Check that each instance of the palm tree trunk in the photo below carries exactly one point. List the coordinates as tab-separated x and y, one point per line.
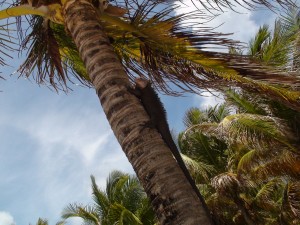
171	195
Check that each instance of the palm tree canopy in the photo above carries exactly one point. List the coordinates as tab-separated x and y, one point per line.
149	43
123	201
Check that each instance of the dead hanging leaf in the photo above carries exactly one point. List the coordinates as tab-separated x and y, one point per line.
53	50
115	11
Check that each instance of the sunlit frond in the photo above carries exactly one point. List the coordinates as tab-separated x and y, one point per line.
255	130
284	164
153	43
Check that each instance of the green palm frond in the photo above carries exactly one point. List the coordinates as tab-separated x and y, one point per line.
291	24
100	197
132	194
256	45
212	114
115	184
42	221
87	213
200	143
217	113
198	168
145	212
118	214
267	196
69	54
242	103
256	130
194	116
247	161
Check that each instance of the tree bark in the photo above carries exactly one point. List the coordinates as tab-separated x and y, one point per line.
171	195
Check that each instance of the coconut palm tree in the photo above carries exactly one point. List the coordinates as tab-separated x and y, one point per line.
123	202
261	162
279	47
147	43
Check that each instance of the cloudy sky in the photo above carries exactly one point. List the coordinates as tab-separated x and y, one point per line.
51	143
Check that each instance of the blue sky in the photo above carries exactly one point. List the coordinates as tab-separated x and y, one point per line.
51	143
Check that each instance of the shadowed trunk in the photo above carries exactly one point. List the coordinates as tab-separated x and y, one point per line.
171	195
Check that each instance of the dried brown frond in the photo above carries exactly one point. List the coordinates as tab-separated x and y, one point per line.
43	61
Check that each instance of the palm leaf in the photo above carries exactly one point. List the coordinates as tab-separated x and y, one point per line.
256	45
266	197
294	198
88	214
243	104
285	163
226	183
120	215
255	130
194	116
198	168
158	44
43	55
100	197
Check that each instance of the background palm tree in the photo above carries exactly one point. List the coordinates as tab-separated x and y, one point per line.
123	202
149	43
259	163
45	222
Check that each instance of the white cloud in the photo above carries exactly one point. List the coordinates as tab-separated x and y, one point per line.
54	143
208	99
6	218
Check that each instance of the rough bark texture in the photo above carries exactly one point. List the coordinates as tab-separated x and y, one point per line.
171	195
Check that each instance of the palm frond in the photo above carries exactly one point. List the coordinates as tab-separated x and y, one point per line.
226	183
243	104
7	42
267	196
101	199
284	164
194	116
256	45
198	168
152	42
294	198
256	130
217	113
220	5
43	61
200	143
87	213
247	161
120	215
145	212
